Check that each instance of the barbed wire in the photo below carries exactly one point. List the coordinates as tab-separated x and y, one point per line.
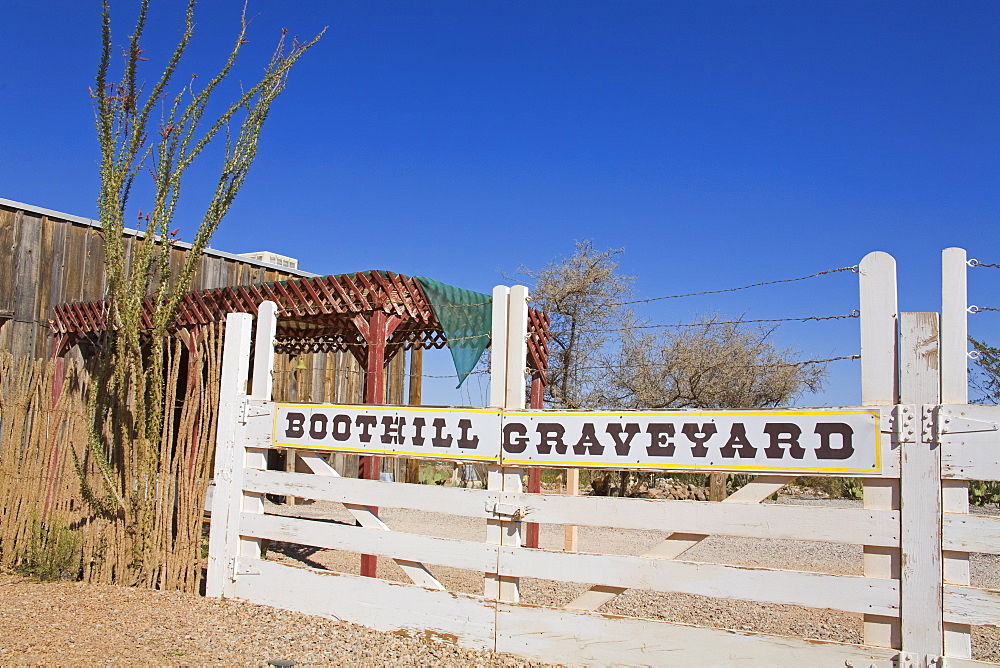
976	263
973	310
490	302
654	365
822	361
853	314
742	287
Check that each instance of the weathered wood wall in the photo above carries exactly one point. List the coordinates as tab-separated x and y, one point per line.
53	258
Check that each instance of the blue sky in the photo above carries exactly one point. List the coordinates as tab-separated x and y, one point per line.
720	143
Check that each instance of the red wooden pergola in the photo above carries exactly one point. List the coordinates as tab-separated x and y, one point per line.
372	314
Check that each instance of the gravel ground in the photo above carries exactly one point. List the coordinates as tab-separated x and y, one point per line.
62	623
73	623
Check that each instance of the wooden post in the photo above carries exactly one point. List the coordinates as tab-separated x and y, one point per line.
415	399
716	486
921	584
880	387
376	332
534	473
571	537
955	390
227	501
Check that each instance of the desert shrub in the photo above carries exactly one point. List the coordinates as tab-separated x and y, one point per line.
51	551
983	492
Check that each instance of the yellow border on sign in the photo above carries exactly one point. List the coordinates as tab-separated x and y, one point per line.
422	455
624	465
875	413
863	411
417	409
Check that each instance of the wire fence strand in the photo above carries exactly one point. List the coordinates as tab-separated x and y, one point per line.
742	287
610	367
713	323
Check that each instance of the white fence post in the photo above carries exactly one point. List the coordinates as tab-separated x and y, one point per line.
263	353
498	347
879	387
921	584
517	367
262	382
223	543
510	331
498	398
955	390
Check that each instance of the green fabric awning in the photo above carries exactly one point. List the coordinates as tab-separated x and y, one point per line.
466	319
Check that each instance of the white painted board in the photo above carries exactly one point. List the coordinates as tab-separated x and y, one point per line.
378	604
776	521
843	441
335	536
357	491
971	533
580	638
971	605
465	434
814	590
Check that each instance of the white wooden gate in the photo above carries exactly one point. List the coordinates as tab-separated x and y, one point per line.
914	526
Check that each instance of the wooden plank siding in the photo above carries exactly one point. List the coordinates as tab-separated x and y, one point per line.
55	259
27	260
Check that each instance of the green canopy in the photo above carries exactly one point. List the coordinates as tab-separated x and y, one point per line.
466	318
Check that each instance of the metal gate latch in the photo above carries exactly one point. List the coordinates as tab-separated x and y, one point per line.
505	510
239	568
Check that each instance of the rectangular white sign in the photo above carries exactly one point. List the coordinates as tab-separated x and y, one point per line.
792	441
845	441
435	433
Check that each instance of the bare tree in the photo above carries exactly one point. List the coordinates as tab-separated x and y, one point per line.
717	363
603	356
582	294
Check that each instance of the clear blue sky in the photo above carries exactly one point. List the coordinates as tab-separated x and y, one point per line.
719	142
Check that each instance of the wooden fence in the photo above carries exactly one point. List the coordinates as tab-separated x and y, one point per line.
914	594
47	471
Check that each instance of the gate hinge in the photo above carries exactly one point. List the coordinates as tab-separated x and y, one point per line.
928	418
902	423
505	510
951	421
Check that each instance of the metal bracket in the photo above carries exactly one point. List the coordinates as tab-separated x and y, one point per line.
901	660
256	408
953	422
928	423
242	419
902	419
242	569
506	510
